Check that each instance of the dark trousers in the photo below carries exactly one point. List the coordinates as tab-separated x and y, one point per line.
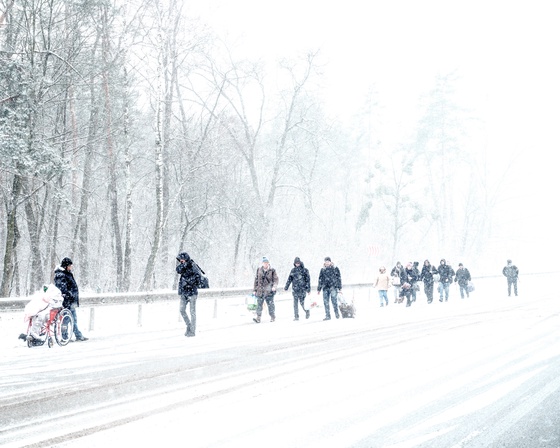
299	298
512	281
408	294
429	290
330	293
269	303
191	323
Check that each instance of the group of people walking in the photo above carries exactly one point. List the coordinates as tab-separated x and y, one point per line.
265	286
266	283
405	281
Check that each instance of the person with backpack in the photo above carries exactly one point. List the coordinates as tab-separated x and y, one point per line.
189	282
301	286
266	281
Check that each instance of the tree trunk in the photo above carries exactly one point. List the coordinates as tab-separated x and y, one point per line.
128	204
81	230
12	237
149	272
111	156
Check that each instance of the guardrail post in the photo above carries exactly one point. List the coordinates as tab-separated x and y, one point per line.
215	308
91	318
139	315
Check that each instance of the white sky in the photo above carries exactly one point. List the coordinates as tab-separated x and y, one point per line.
505	53
505	48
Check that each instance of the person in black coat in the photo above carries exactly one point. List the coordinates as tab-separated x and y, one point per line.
427	276
188	290
64	280
301	285
446	274
463	277
330	282
408	278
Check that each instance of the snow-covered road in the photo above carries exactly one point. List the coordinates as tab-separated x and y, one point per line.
467	373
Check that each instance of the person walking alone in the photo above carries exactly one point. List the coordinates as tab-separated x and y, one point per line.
463	277
266	281
301	286
382	283
65	281
511	272
330	282
188	290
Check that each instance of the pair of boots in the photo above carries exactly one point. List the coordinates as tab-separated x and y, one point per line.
190	332
306	315
257	319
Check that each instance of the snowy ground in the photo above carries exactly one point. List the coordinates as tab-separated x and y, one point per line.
467	373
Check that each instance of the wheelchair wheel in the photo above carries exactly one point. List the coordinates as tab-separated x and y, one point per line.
63	327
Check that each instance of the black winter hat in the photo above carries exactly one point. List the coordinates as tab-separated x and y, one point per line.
66	262
297	260
328	259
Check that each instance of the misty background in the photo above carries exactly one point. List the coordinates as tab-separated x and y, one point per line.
371	132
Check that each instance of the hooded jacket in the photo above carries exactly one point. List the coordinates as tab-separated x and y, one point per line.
299	279
64	280
190	275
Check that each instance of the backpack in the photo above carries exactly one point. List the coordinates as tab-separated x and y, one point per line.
203	283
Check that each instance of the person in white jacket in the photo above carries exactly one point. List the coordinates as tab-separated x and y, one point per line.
382	283
37	311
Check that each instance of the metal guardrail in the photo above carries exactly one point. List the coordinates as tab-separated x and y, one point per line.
18	303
